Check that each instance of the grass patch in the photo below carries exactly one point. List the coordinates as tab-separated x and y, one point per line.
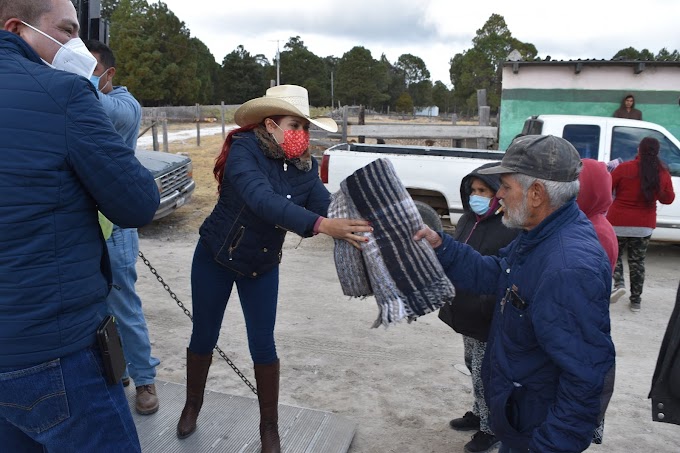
188	218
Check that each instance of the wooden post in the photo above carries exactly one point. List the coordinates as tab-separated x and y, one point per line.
456	142
344	124
484	112
198	125
154	130
484	117
164	125
224	132
362	120
481	98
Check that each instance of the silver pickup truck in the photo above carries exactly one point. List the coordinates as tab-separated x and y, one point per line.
174	177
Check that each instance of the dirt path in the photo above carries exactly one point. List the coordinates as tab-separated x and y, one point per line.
399	384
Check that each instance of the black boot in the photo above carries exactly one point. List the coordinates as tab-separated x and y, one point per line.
197	374
469	422
267	377
481	443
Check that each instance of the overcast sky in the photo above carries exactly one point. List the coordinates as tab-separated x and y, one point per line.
434	30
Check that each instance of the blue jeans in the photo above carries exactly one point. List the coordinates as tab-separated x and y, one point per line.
65	405
126	306
211	285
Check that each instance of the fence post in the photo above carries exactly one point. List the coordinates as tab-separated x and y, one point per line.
198	125
484	117
344	124
456	142
481	97
362	121
223	126
154	129
164	125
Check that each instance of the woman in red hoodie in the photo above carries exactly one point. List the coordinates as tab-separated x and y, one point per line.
594	199
637	185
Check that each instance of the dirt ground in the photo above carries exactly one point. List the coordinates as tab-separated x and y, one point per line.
399	384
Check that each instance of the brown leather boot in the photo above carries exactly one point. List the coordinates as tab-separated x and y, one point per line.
146	401
197	374
267	377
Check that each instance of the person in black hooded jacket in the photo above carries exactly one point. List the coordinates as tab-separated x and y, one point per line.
470	315
665	393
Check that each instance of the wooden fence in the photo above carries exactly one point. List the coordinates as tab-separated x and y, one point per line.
483	134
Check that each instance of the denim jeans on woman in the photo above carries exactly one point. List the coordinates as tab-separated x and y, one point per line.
126	306
65	406
211	285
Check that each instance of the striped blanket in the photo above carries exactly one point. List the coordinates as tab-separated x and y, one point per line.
404	275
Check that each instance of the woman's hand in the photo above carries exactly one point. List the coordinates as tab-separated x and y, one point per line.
430	236
346	229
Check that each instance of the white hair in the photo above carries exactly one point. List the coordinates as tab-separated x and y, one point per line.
558	192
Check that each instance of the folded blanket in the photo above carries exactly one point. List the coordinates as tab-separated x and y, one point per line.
404	275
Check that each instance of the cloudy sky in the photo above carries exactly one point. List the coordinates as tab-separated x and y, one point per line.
434	30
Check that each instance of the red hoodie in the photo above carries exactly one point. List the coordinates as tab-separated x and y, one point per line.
594	199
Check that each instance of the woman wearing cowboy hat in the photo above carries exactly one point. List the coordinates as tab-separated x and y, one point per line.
268	184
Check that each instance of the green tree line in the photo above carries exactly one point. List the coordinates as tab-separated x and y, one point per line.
162	64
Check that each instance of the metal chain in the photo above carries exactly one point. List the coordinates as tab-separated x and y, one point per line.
188	313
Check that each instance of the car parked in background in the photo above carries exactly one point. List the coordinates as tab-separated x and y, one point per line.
174	177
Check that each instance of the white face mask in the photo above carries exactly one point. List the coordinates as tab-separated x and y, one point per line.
72	56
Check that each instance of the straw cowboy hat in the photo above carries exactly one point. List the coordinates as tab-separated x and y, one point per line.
280	100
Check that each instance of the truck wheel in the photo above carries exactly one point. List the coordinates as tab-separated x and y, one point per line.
429	215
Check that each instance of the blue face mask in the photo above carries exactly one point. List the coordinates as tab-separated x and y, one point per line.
479	204
94	80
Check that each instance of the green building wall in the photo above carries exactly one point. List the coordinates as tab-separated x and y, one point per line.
660	107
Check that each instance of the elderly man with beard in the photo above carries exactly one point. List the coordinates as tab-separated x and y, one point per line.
549	366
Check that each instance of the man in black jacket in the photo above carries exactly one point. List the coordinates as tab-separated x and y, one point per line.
665	393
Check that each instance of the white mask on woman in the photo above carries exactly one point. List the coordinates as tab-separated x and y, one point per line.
72	56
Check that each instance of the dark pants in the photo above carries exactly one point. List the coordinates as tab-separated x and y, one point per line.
637	250
211	285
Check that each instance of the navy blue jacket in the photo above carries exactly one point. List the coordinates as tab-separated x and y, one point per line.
61	161
261	199
549	365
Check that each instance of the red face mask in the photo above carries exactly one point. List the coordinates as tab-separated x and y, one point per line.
295	143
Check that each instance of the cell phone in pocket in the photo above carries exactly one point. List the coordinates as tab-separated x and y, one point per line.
111	349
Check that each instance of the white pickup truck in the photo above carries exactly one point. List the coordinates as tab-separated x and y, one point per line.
433	175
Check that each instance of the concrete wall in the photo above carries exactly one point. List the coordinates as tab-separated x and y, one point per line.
596	90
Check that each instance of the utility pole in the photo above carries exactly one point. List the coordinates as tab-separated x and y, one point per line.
332	90
278	64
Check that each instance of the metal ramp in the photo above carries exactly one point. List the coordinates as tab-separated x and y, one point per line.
229	424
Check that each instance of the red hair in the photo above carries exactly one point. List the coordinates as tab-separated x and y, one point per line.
221	159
